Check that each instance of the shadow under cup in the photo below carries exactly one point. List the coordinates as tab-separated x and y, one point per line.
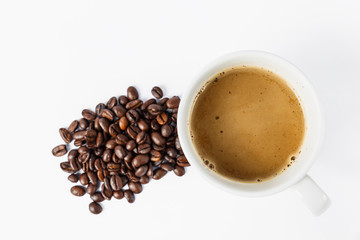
311	110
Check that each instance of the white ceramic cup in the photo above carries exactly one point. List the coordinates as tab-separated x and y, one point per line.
296	175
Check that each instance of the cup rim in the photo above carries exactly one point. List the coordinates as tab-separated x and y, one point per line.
190	152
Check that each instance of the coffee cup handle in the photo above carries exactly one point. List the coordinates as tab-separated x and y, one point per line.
312	195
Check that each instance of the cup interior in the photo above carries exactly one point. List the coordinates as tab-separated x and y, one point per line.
312	113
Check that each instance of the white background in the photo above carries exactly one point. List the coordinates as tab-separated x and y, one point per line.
58	57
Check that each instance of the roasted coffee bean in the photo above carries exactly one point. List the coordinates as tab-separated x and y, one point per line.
104	124
85	167
140	160
59	150
73	154
155	155
133	116
182	161
157	92
111	102
73	126
92	162
129	195
150	172
167	167
132	93
106	192
166	131
65	135
135	187
79	135
98	165
107	155
121	139
179	171
142	124
123	123
169	159
123	100
95	208
91	189
120	152
83	124
162	118
107	183
97	197
157	138
174	117
113	167
90	135
128	166
149	116
73	178
155	125
144	179
114	129
141	137
97	125
84	157
170	141
159	173
92	177
158	148
84	180
65	166
118	194
155	109
74	164
130	145
99	108
173	102
128	158
177	144
163	101
171	152
157	164
131	176
133	131
98	151
111	144
88	114
100	175
116	183
119	111
77	191
141	171
144	148
78	142
147	103
133	104
99	139
83	149
108	114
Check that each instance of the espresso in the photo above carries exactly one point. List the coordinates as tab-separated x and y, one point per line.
247	124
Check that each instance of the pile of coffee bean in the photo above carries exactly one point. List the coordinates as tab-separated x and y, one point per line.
122	145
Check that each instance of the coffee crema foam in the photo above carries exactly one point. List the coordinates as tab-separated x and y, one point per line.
247	124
